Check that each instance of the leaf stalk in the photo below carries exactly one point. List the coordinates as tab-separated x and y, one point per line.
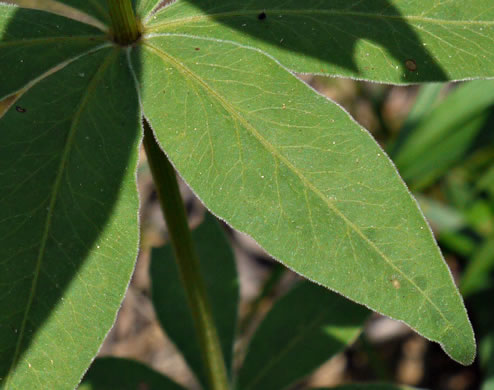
125	27
187	260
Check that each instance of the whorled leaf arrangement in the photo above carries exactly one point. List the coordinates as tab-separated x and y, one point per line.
261	149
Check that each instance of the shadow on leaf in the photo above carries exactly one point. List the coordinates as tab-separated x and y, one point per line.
352	39
68	199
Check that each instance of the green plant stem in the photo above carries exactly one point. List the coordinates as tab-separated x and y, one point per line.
125	28
188	264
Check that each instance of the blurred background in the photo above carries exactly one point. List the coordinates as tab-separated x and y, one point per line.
441	138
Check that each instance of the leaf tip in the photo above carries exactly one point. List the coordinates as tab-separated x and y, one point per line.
462	350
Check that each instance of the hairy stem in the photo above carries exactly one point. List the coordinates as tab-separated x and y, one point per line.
185	254
125	28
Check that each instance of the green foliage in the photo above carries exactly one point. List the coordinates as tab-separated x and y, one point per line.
445	134
69	236
123	374
476	275
460	203
384	40
290	168
290	344
486	354
169	298
261	149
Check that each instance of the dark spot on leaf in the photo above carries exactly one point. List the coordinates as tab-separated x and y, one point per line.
262	16
411	65
20	109
197	49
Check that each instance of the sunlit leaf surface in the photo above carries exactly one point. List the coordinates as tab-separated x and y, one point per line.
291	169
384	40
261	149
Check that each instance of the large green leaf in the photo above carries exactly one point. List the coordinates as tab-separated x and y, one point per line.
170	301
123	374
290	168
68	203
383	40
304	329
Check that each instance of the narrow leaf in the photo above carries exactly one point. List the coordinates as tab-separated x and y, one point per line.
305	328
122	374
486	182
293	170
383	40
424	104
68	219
442	217
445	135
170	301
477	275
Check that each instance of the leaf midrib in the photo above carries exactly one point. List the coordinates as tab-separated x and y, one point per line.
271	149
301	12
52	202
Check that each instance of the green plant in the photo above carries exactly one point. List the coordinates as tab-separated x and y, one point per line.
209	82
271	362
